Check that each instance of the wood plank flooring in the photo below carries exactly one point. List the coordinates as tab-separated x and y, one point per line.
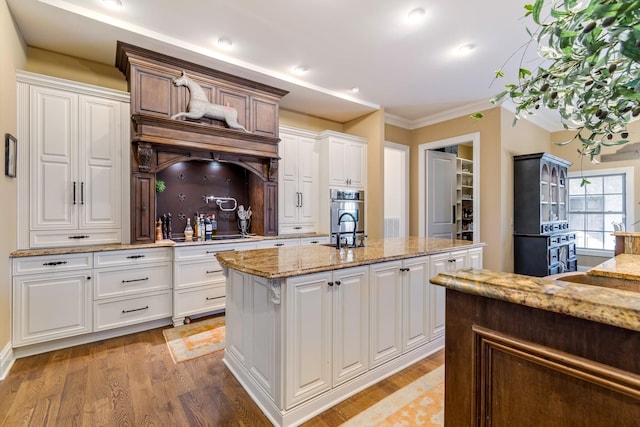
132	381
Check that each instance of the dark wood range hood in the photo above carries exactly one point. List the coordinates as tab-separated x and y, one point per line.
158	141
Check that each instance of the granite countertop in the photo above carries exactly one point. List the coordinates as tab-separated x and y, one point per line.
295	261
622	266
158	244
609	305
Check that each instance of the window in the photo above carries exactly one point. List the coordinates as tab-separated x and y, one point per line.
595	207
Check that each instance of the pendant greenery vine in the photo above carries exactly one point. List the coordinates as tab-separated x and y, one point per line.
590	69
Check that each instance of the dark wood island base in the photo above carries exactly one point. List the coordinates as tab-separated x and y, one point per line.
509	364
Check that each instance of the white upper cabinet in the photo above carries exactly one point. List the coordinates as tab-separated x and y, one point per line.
298	178
75	136
345	158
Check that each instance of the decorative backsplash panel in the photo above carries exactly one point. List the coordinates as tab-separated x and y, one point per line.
188	183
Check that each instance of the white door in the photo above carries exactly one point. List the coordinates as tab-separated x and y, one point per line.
350	323
100	182
396	189
386	312
441	194
54	141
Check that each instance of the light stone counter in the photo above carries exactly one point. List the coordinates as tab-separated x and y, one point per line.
609	305
295	261
158	244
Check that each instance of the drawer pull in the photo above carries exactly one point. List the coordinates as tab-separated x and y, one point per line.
209	298
82	236
278	244
217	252
135	280
54	263
297	228
135	309
213	271
314	241
135	256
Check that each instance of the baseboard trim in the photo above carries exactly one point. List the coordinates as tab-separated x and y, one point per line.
32	349
7	359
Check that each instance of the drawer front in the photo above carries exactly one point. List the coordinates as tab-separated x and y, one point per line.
278	243
321	240
118	282
208	251
114	313
199	273
131	257
66	238
296	229
200	300
51	263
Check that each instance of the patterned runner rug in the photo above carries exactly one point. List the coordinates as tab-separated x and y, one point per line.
195	339
420	403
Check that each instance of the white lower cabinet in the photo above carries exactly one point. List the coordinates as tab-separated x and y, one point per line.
131	286
51	306
399	308
198	279
326	331
447	261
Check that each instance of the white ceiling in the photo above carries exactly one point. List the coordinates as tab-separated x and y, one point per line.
413	71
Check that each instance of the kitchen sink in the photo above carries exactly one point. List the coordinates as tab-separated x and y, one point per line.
607	282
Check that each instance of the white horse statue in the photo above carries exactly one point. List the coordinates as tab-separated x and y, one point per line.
199	106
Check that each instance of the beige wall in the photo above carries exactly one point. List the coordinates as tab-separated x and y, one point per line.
371	127
311	123
397	134
13	57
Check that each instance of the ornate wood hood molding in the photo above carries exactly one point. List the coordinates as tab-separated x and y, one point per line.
239	125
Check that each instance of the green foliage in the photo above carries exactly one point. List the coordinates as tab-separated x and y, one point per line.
160	186
590	69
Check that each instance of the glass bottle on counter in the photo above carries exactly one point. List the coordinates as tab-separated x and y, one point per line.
214	225
196	234
208	228
188	231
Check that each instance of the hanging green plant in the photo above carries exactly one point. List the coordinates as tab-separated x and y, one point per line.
160	186
589	72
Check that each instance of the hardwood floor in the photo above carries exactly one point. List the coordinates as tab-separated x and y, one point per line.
132	381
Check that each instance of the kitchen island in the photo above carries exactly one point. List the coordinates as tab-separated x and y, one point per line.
308	327
536	351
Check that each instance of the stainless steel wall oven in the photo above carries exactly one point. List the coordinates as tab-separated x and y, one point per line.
347	215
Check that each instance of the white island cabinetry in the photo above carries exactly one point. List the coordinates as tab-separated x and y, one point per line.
300	343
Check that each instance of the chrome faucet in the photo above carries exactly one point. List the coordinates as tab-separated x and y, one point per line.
355	226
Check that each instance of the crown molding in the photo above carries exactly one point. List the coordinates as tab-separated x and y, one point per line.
548	120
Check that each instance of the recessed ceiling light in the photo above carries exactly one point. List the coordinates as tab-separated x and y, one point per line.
225	43
466	49
114	4
416	14
355	89
301	69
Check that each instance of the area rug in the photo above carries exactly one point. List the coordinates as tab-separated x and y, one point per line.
420	403
195	339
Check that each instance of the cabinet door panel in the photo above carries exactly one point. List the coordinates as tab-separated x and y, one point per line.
386	312
439	264
350	324
54	142
337	162
357	164
416	295
308	332
100	182
51	306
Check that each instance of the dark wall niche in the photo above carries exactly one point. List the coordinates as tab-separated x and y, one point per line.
187	183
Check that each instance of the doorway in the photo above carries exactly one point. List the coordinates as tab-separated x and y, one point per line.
461	210
396	190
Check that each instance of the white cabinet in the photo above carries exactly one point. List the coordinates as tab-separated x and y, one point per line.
298	181
317	240
74	142
399	308
326	331
386	312
277	243
198	279
131	286
446	262
51	297
345	159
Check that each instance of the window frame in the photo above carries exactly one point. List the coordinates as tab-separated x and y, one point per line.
629	202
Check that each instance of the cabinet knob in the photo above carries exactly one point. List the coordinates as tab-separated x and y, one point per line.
338	282
330	283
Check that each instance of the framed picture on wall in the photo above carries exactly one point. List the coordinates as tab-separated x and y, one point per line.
10	155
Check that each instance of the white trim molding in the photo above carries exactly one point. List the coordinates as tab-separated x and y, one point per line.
7	358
